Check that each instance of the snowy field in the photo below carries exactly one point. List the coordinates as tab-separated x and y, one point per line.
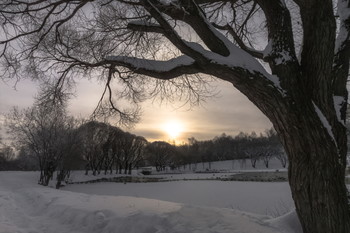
223	169
255	197
190	207
236	165
201	189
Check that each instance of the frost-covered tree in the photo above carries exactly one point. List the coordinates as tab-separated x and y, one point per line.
290	58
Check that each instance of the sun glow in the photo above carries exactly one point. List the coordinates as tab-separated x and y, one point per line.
173	128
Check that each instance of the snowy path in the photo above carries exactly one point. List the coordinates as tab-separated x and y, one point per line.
28	208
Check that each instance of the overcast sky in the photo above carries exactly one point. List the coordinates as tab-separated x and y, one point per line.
230	112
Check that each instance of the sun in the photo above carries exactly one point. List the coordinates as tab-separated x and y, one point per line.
173	128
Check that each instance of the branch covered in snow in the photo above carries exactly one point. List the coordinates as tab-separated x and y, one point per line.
192	14
144	26
160	69
343	36
341	58
171	34
231	31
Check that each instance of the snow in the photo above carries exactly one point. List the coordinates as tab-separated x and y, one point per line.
143	23
268	48
344	14
338	102
284	57
198	171
167	2
325	122
154	65
237	58
270	197
78	176
289	222
29	208
343	9
240	165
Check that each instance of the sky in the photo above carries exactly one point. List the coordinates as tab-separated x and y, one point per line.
229	112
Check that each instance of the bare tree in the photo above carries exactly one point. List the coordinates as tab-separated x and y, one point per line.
70	148
104	146
93	138
138	150
7	153
266	155
42	129
282	157
254	155
25	160
305	97
160	154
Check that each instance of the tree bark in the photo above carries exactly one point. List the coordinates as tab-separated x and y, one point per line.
316	172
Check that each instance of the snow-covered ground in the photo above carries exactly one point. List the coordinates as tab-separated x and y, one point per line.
79	176
217	169
255	197
235	165
26	207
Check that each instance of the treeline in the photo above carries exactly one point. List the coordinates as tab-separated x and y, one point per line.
52	142
243	146
58	143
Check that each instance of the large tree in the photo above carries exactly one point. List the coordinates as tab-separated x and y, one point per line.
304	96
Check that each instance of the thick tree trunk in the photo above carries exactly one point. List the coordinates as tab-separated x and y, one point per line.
319	191
316	174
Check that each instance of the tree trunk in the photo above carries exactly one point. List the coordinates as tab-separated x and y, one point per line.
319	191
130	168
316	173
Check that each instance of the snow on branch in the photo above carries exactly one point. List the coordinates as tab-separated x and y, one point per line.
344	15
159	69
220	50
152	7
144	26
231	31
342	51
339	102
324	121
